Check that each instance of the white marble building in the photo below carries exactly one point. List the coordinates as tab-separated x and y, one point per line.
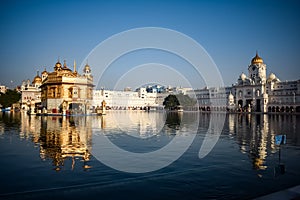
31	93
259	93
125	100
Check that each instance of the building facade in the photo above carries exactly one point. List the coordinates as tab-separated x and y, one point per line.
125	100
259	93
31	93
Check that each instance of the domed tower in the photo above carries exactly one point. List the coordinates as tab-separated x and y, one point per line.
44	75
57	66
37	81
230	99
257	70
87	71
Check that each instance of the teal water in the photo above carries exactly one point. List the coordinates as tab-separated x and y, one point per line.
55	157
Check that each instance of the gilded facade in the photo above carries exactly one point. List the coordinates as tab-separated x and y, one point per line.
65	91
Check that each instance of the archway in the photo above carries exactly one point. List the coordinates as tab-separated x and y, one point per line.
269	109
292	109
273	109
240	103
258	105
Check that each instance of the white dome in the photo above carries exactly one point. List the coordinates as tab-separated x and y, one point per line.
243	76
272	76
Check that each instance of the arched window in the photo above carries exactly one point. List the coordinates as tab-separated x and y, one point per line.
257	93
240	94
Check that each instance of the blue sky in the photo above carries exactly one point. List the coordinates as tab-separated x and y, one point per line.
35	33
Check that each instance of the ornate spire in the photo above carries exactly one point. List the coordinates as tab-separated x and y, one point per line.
74	65
65	64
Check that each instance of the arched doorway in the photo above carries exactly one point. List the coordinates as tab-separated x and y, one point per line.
240	103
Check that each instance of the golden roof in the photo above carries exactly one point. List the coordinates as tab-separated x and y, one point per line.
37	79
256	59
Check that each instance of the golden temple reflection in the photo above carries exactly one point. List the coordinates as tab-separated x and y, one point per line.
71	139
59	138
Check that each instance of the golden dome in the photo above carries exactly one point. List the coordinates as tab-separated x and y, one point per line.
37	79
44	72
256	59
87	68
58	64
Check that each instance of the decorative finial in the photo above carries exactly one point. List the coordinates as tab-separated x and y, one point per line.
58	59
37	72
65	64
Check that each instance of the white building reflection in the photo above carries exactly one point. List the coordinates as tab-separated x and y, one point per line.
256	135
138	123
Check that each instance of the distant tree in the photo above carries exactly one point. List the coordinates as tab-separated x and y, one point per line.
10	97
171	102
186	100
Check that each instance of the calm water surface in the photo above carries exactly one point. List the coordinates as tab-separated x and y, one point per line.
52	157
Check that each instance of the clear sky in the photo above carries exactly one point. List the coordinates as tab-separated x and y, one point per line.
35	33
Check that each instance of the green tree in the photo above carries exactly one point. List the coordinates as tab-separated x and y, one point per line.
186	100
171	102
9	98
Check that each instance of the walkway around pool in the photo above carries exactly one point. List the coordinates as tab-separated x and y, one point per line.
291	193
